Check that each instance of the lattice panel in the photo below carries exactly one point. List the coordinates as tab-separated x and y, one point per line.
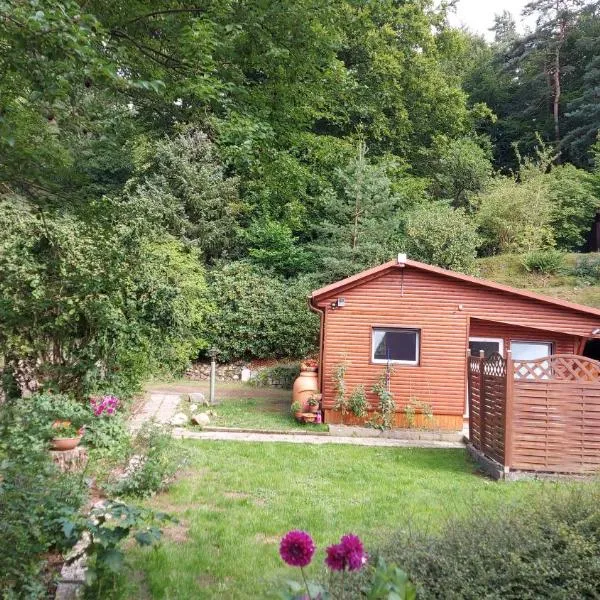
487	405
559	367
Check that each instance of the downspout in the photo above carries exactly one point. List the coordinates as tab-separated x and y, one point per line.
321	313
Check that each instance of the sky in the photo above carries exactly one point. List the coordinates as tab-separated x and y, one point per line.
478	15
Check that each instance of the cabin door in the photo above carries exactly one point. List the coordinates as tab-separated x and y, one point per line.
489	346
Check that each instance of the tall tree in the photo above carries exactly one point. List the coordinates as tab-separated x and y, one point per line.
553	23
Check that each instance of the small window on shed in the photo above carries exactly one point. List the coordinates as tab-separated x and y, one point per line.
394	345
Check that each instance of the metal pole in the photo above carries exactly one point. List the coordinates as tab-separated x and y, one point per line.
213	377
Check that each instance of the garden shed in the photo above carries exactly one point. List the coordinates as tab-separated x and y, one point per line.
419	324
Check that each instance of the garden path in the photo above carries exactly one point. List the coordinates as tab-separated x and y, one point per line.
160	406
312	439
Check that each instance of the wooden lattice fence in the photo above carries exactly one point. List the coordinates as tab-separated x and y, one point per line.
536	415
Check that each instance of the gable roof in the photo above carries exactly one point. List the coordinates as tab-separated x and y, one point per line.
375	272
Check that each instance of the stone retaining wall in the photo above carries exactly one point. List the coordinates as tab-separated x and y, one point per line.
279	375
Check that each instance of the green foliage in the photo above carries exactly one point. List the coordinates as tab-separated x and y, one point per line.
88	302
357	401
259	315
273	247
516	216
108	435
462	169
415	406
339	382
440	235
153	460
34	495
284	374
546	262
545	548
362	223
587	268
574	205
384	415
182	179
108	526
26	423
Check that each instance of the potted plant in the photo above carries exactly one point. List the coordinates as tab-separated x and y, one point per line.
297	411
65	436
313	403
309	364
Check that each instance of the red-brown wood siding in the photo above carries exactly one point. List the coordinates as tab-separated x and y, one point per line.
441	307
562	343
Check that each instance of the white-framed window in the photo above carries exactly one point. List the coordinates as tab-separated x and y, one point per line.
523	350
396	345
488	345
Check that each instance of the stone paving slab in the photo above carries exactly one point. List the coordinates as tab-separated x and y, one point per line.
161	406
312	439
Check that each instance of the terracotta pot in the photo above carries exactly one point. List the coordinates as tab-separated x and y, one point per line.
299	416
65	443
305	386
313	409
310	417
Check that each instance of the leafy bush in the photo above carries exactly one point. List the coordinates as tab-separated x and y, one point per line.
258	315
286	373
574	205
587	268
26	423
440	235
107	526
34	495
89	301
515	214
154	459
357	402
546	262
546	547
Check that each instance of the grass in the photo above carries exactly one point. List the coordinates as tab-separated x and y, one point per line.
242	405
238	499
508	269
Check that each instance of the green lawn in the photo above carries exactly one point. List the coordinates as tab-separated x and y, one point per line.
243	405
237	499
257	413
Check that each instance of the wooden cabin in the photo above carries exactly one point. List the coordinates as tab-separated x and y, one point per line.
421	323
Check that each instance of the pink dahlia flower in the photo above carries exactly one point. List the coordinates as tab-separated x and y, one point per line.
348	554
297	548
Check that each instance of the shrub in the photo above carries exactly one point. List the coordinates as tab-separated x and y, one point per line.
440	235
357	402
546	547
587	268
154	459
259	315
283	373
546	262
34	495
26	423
86	301
516	216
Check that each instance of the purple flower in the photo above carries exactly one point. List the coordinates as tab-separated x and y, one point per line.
354	551
348	554
297	548
336	558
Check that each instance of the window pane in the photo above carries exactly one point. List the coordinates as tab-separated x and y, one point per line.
395	344
488	348
530	350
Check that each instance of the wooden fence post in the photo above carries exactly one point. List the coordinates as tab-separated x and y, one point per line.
509	411
470	395
482	401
